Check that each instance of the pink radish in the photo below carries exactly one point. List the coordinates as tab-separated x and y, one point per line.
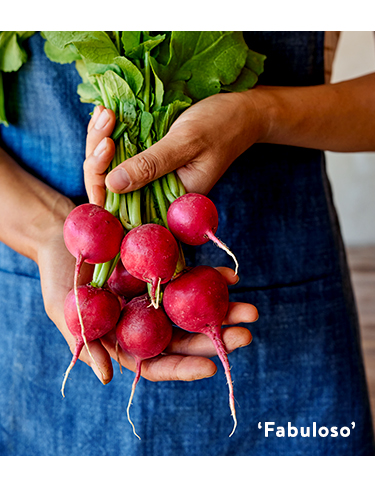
91	234
150	253
193	219
197	301
100	309
124	284
144	333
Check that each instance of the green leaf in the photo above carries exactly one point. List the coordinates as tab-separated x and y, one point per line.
146	123
158	89
130	148
138	52
255	62
119	129
249	74
245	81
130	73
62	56
165	117
12	55
205	60
95	46
119	88
130	40
3	119
88	93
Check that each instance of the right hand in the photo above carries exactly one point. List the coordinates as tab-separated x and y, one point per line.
200	145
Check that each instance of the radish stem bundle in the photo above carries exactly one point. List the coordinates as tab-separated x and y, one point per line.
148	80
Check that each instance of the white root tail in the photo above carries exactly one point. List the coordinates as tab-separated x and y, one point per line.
222	245
220	349
155	294
136	379
79	263
77	351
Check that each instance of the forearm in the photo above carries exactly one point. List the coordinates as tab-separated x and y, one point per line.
30	211
336	117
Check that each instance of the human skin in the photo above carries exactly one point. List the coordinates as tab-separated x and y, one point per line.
201	145
210	135
207	137
33	226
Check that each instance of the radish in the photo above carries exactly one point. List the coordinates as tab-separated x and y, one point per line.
193	219
99	308
124	284
144	333
93	235
150	253
197	301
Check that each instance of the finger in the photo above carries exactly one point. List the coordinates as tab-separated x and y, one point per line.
198	344
100	150
228	275
101	125
161	158
95	167
172	367
240	313
102	364
164	367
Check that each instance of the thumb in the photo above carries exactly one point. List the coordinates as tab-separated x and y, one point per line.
163	157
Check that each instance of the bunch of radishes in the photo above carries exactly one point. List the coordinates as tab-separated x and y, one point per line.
195	300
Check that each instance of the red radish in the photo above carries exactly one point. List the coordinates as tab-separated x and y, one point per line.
100	309
91	234
124	284
193	219
197	301
144	333
150	253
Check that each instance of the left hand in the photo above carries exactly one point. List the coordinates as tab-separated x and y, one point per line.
187	356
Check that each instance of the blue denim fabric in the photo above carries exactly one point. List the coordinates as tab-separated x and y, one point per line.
276	213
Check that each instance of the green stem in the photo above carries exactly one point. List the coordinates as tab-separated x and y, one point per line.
118	45
147	81
173	184
102	274
135	210
181	188
160	199
166	189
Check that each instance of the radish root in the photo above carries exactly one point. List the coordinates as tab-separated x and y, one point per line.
77	351
155	293
136	379
118	357
220	349
222	245
79	263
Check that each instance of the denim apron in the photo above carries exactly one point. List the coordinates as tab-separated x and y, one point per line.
303	371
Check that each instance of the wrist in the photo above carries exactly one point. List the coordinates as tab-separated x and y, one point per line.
48	224
259	109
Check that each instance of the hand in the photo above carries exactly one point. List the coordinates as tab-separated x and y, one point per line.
187	356
201	145
56	267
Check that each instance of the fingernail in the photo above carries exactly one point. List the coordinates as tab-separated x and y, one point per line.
99	374
102	120
101	147
118	179
95	115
